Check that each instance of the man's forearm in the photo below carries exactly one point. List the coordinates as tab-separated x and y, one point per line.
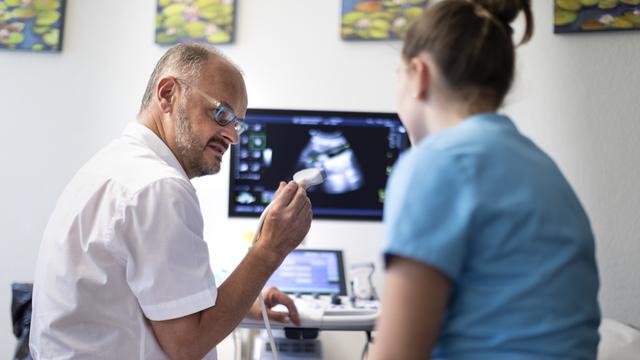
193	336
236	295
239	291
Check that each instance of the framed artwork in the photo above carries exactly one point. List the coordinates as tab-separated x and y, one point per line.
34	25
596	15
378	19
208	21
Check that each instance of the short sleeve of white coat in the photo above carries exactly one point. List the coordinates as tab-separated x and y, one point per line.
167	260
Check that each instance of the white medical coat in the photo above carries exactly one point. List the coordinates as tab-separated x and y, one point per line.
124	245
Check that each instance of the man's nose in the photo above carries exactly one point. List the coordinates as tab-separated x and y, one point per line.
230	134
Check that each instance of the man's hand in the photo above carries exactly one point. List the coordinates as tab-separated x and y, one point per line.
287	222
273	297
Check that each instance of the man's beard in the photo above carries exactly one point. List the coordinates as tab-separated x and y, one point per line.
190	149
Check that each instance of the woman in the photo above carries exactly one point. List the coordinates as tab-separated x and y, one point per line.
489	253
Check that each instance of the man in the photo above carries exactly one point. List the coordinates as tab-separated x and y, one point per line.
123	270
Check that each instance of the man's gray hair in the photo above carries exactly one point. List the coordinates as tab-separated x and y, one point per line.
182	60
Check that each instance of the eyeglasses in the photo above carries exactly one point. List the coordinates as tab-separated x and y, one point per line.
223	114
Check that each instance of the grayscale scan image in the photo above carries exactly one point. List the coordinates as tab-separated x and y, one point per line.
331	152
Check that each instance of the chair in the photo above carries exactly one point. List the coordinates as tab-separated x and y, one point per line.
21	318
618	341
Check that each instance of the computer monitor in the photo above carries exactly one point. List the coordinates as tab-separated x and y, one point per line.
356	151
311	272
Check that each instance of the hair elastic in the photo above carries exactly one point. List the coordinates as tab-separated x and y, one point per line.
481	11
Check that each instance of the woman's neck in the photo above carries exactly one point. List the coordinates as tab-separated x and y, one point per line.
443	115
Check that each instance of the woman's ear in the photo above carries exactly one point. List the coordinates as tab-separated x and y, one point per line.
165	93
420	78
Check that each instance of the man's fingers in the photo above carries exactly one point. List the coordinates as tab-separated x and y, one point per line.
278	316
276	297
293	314
299	201
285	300
280	187
306	207
307	213
285	194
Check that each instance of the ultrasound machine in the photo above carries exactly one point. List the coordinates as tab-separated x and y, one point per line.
355	152
316	281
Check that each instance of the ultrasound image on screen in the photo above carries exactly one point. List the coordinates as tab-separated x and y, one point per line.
356	151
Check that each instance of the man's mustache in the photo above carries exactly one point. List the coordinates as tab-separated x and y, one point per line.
220	141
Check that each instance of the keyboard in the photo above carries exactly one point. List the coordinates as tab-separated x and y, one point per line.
320	313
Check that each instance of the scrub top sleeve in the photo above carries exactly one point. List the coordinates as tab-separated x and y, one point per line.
428	211
167	260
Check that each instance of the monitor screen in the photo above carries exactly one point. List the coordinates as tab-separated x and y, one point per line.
355	150
311	272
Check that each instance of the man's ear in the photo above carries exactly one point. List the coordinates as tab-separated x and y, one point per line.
166	93
421	78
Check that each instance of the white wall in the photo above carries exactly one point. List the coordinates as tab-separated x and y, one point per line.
575	95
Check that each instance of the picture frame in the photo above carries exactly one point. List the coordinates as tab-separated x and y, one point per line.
206	21
376	20
33	25
583	16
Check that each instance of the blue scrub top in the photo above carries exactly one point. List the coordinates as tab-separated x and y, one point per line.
490	210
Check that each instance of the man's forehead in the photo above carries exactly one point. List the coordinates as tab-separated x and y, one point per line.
219	72
223	81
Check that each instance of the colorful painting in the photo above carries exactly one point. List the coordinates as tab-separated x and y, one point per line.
208	21
31	24
596	15
378	19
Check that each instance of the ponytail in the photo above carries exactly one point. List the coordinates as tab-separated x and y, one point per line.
471	42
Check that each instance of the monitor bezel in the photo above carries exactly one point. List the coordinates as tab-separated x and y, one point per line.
341	274
231	213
